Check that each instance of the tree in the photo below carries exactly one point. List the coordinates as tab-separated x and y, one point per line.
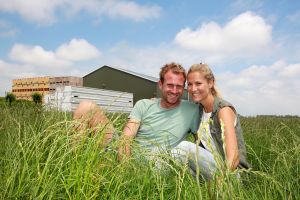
37	98
10	97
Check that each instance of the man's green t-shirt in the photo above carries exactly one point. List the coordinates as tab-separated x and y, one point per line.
161	127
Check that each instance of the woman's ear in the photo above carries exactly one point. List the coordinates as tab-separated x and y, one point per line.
211	84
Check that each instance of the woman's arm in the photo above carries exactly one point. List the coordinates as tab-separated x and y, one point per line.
227	116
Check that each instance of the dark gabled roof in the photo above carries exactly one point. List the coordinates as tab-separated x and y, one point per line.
150	78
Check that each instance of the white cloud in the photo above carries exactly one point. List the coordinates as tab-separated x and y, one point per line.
291	71
29	61
131	10
47	11
245	35
42	11
37	56
76	50
263	89
62	58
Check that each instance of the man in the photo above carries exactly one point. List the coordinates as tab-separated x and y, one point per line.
161	123
154	124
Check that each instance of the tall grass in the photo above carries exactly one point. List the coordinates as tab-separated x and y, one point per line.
39	160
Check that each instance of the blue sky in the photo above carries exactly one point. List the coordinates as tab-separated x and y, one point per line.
252	45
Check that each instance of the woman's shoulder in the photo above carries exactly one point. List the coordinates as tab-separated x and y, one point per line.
221	103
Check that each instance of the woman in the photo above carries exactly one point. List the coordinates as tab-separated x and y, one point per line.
217	116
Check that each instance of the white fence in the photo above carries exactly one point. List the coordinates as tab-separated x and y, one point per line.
67	98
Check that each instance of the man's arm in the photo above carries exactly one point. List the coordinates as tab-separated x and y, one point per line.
129	132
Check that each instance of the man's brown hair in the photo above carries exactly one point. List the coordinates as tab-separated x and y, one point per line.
174	67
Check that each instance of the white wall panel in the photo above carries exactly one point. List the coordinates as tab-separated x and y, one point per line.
67	98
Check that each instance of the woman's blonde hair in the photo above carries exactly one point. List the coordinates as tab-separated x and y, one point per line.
208	75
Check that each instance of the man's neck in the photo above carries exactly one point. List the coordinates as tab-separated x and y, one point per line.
167	105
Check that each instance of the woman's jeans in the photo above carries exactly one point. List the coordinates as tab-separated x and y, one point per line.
188	153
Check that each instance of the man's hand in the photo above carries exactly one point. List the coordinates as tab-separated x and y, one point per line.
129	132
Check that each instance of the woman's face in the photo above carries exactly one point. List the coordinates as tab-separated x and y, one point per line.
198	87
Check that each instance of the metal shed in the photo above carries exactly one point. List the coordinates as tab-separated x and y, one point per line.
113	78
67	98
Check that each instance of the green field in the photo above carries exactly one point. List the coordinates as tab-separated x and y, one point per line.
39	160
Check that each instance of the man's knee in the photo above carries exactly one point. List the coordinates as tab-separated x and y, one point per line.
84	108
90	112
91	115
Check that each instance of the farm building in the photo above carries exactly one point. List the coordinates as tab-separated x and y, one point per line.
112	78
24	87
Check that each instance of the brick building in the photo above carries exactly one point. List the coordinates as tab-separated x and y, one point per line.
24	87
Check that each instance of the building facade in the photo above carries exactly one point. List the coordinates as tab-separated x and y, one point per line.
64	81
24	87
112	78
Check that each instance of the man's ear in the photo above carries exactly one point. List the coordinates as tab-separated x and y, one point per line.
159	83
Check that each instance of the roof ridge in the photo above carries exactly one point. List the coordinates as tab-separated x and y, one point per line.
144	76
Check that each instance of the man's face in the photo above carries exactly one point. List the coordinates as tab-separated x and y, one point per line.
172	89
